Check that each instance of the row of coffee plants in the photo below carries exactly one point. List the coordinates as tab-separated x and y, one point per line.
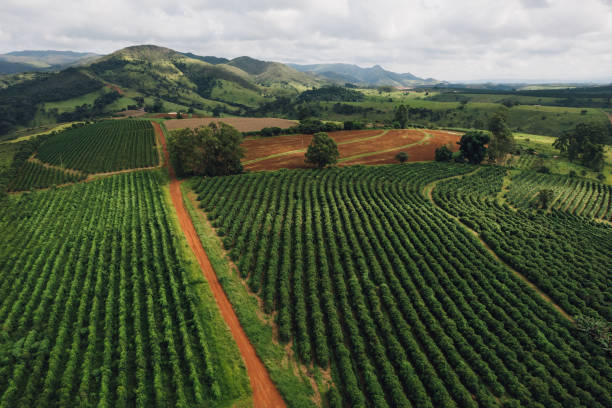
401	301
567	257
34	175
102	147
96	307
577	196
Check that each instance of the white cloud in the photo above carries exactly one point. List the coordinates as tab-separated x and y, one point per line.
471	39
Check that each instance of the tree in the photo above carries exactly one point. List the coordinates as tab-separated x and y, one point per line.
502	140
401	157
443	154
212	150
545	196
584	142
401	116
472	146
322	150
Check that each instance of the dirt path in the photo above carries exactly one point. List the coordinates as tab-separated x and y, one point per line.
265	393
428	191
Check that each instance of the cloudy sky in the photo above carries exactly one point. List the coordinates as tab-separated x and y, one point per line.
445	39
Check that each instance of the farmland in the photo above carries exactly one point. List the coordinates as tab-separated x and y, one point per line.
574	195
366	276
565	256
100	304
102	147
34	175
242	124
355	147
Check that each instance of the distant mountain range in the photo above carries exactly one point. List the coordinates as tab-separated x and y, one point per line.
30	61
373	76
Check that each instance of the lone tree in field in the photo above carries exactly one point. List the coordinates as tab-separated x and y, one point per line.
401	116
212	150
322	150
545	196
401	157
502	141
472	146
443	154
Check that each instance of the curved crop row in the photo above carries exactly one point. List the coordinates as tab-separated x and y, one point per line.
576	196
102	147
566	256
405	305
34	175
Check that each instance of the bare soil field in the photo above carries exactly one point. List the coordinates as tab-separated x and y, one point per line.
242	124
355	147
418	152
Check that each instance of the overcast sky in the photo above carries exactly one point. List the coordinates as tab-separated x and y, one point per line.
451	40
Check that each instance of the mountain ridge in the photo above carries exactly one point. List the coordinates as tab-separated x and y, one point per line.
370	76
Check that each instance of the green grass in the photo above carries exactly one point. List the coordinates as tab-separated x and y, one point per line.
230	369
545	120
230	91
68	105
295	390
560	165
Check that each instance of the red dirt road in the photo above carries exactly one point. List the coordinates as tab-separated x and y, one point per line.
265	393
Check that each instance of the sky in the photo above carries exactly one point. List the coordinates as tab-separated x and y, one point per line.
453	40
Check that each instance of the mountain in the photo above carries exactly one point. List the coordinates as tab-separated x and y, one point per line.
145	75
372	76
210	59
30	61
200	82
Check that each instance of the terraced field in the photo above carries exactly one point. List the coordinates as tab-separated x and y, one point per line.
366	276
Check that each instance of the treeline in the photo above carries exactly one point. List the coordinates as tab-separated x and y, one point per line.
331	93
308	126
593	97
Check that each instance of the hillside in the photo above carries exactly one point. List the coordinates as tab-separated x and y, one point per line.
29	61
372	76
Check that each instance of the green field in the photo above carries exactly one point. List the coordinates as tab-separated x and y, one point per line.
543	120
567	257
367	277
34	175
102	147
571	194
101	304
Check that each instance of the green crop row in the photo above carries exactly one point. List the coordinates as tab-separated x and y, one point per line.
405	306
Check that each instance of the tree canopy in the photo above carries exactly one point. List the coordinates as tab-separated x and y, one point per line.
443	154
322	150
472	146
584	143
213	150
502	140
401	157
401	116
